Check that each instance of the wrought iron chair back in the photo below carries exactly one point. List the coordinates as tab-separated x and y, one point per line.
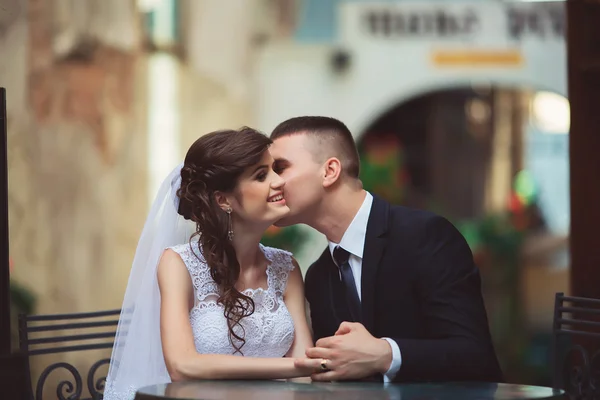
45	334
576	346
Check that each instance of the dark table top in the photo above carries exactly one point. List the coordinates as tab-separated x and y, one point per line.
277	390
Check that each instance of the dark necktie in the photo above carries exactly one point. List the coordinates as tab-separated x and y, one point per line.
341	257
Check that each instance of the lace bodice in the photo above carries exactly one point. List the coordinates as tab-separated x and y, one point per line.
269	331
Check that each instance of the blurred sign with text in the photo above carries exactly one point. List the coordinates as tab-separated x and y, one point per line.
476	33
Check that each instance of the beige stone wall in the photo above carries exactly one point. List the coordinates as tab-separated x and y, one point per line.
77	161
76	165
78	87
207	105
78	118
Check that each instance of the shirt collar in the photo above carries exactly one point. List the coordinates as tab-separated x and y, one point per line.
353	240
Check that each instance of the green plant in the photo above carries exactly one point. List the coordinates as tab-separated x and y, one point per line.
22	301
289	238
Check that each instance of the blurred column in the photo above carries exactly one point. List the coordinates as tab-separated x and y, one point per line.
499	174
519	115
163	119
164	131
219	36
583	41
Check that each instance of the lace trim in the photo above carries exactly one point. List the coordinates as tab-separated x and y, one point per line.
278	269
280	266
110	393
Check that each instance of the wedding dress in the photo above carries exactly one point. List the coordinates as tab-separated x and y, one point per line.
268	332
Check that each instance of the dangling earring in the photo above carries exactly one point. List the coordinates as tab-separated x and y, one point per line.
229	225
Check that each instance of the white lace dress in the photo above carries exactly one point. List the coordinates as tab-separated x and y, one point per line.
269	331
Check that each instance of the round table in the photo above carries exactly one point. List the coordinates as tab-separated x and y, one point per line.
277	390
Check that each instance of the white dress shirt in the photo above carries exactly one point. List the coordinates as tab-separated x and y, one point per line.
353	242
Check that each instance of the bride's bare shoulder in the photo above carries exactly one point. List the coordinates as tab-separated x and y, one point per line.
170	265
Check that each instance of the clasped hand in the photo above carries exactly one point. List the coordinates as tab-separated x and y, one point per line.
352	353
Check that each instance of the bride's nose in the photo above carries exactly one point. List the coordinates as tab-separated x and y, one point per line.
278	183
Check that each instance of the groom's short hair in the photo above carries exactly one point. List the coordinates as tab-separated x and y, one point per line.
331	139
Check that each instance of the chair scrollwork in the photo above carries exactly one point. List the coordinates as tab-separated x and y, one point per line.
57	334
96	387
66	389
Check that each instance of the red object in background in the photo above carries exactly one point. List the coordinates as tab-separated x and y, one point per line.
272	230
515	204
519	217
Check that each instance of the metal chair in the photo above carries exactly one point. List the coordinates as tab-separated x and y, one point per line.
576	346
62	333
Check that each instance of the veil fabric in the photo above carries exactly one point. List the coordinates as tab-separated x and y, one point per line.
137	357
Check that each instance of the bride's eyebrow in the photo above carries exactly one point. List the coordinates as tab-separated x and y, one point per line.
258	168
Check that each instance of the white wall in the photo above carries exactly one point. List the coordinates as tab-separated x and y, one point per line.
294	79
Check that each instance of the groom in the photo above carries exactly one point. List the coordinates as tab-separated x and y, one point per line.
395	296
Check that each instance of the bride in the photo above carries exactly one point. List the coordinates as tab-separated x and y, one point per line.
193	306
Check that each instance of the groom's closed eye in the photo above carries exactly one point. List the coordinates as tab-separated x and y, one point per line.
279	166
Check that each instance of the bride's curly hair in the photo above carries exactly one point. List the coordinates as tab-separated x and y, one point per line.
214	163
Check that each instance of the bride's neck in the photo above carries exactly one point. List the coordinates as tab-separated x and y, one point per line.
246	245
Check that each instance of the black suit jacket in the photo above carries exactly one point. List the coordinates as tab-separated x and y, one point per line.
421	288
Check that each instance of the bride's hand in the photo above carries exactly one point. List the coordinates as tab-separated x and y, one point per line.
309	366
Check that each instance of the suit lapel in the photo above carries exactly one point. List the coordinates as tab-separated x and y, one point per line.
375	242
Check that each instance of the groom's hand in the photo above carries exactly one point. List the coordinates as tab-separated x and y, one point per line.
353	353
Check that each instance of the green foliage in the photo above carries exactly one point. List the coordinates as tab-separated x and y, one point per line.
290	238
21	299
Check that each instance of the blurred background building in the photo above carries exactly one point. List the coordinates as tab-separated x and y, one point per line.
458	106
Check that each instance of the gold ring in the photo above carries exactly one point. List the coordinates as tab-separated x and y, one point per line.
324	365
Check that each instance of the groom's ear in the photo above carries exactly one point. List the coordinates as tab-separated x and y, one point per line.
222	201
332	169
